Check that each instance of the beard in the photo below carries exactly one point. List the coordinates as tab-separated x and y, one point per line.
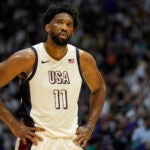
58	41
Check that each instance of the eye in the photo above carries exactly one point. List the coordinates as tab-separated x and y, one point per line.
70	24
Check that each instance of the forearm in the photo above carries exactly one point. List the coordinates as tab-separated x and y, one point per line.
6	116
96	104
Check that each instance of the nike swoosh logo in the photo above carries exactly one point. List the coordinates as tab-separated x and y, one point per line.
43	62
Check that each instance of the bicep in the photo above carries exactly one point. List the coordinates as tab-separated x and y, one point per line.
91	73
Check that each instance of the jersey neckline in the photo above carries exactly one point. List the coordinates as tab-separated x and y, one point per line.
51	58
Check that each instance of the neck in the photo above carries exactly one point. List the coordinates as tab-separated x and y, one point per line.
55	51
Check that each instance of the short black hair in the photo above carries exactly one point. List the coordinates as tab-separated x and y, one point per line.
56	8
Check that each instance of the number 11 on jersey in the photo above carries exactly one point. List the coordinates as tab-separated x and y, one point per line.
60	97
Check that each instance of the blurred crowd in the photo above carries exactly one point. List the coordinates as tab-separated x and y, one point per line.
117	34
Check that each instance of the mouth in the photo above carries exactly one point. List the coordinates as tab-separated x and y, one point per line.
63	35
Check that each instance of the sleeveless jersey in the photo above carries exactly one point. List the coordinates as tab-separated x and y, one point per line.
50	95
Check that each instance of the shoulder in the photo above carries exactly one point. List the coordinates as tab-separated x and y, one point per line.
22	60
86	58
21	63
24	54
82	53
85	55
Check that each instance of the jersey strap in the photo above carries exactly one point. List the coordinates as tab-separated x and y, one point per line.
78	61
35	65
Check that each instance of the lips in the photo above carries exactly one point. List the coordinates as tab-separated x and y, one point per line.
63	35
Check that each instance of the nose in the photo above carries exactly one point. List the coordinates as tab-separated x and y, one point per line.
64	27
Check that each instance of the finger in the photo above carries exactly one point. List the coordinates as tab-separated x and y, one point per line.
35	136
77	138
77	131
83	144
24	141
38	137
32	134
37	129
32	139
81	140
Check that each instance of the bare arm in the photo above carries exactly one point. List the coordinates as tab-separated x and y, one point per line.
19	63
97	86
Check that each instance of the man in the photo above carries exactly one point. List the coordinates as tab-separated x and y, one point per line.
51	76
141	134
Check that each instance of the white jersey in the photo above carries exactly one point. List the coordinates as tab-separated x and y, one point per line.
50	96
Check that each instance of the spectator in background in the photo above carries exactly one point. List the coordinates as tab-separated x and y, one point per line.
141	135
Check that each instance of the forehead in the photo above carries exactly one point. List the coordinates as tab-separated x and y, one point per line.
63	16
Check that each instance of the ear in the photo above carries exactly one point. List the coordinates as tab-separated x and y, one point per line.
47	27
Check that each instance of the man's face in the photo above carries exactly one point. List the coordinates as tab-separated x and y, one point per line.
61	28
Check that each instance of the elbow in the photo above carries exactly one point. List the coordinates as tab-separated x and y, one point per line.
1	85
102	89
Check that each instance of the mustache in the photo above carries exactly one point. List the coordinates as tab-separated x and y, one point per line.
62	32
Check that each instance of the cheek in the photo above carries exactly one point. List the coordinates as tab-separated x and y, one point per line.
71	32
55	29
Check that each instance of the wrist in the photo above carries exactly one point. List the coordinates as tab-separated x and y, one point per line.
89	127
13	123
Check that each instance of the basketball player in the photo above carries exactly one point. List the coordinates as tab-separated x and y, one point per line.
51	76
